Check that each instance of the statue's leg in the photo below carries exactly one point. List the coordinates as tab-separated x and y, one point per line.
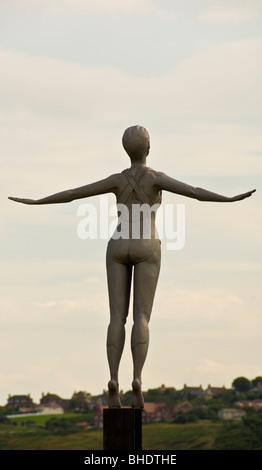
119	281
145	281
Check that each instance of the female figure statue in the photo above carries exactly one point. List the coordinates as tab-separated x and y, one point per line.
135	254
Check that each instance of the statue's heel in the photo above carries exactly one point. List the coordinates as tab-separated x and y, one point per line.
113	395
137	398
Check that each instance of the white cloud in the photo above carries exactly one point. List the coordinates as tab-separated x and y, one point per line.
223	81
224	14
53	113
206	305
56	6
93	303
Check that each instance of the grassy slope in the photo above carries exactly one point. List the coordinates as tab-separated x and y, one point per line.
180	437
155	437
37	441
39	420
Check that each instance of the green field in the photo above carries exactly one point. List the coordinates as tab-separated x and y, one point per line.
195	436
23	422
155	436
35	433
40	441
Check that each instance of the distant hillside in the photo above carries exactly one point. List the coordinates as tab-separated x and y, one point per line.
243	435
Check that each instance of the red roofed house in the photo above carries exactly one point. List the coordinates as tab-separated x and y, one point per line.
211	391
163	389
255	404
99	416
152	412
156	412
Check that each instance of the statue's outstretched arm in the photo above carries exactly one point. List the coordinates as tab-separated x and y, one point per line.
169	184
106	185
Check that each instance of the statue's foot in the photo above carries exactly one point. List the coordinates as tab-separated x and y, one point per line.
113	395
137	398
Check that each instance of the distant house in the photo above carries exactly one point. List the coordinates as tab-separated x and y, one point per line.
211	391
255	404
257	388
196	391
27	409
164	389
18	401
51	399
81	401
231	414
154	412
99	415
184	406
50	409
102	400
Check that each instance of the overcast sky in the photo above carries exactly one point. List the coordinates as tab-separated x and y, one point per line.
74	74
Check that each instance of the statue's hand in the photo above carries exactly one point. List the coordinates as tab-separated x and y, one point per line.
24	201
242	196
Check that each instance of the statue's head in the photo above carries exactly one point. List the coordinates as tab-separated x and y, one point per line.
136	142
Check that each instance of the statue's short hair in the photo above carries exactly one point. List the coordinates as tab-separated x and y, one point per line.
136	141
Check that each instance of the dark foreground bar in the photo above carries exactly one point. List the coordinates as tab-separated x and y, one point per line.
122	429
33	459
